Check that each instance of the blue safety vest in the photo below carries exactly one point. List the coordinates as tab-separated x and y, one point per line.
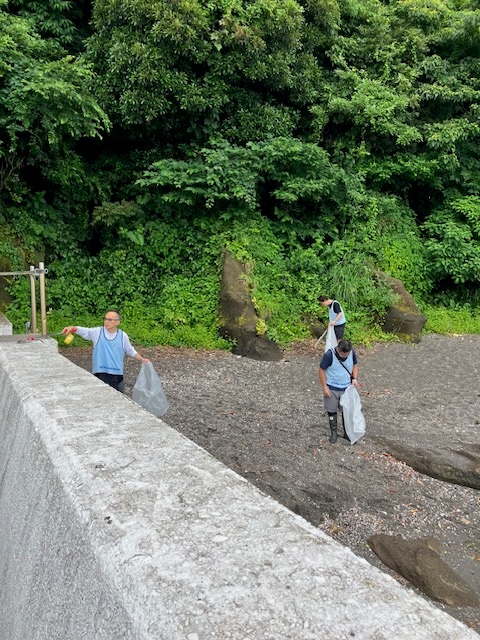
336	374
108	354
332	315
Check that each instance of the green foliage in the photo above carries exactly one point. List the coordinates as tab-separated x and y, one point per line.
223	174
453	241
182	68
452	320
189	301
19	311
46	107
405	258
320	142
283	178
153	324
183	315
364	334
11	256
45	97
59	20
386	231
353	281
369	101
112	214
280	307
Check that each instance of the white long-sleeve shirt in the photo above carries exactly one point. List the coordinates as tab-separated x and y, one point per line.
94	334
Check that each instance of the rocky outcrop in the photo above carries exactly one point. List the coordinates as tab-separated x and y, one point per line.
420	563
239	321
314	325
404	318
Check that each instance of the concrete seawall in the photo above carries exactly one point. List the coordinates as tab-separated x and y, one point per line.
5	326
115	527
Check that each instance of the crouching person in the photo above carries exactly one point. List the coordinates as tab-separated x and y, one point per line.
338	370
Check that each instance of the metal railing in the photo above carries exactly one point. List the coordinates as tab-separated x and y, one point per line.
35	273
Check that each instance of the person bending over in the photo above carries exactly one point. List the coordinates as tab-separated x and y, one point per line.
336	315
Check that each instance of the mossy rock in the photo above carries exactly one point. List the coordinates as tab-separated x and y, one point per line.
239	322
403	319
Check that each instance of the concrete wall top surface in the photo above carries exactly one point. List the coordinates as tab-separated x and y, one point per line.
184	547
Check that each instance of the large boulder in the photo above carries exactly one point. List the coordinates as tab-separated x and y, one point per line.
315	326
239	321
457	466
420	563
404	318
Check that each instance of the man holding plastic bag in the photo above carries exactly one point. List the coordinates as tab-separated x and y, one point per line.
338	373
109	346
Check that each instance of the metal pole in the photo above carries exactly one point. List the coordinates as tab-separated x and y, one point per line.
33	299
43	304
14	273
320	338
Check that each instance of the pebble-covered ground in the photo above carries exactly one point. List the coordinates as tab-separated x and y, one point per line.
266	421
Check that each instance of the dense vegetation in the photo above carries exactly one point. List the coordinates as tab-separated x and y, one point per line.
320	141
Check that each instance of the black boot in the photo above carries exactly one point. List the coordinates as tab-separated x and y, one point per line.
344	430
332	418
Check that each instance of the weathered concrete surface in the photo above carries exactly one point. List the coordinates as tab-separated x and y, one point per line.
5	326
113	526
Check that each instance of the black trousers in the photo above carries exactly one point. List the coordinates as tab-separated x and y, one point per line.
113	380
339	330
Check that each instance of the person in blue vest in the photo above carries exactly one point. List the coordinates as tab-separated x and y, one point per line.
110	344
336	315
338	370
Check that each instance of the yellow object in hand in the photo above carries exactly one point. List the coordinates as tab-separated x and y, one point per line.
69	338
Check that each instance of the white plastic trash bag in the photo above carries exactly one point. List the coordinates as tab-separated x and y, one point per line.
331	341
148	392
353	417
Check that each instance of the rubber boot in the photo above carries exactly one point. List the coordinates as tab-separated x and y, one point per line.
332	418
344	430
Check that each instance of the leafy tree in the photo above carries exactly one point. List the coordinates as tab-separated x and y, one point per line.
402	109
61	20
187	69
283	178
319	140
453	242
46	106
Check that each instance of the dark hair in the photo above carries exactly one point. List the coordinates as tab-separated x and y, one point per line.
345	346
322	298
115	311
